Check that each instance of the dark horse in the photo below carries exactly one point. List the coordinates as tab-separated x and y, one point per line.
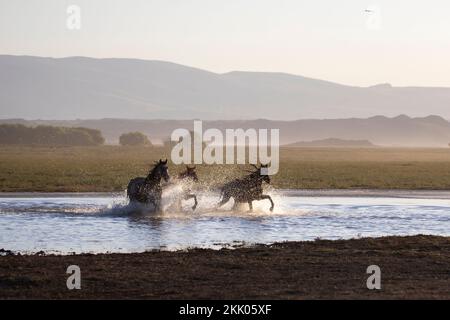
148	190
247	189
187	178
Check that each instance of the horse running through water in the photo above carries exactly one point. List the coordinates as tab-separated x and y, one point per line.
247	189
148	189
187	178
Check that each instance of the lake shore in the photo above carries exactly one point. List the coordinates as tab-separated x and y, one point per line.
414	267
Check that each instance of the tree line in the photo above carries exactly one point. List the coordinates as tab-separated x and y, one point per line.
49	135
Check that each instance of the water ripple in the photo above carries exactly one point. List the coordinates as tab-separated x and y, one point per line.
105	223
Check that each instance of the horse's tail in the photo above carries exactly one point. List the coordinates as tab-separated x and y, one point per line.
128	190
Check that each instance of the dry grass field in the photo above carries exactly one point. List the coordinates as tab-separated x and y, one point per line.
109	168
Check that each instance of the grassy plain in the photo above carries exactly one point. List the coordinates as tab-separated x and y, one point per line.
109	168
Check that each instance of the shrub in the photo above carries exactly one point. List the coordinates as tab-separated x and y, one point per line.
134	139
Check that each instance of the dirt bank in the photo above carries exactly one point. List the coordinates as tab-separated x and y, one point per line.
412	267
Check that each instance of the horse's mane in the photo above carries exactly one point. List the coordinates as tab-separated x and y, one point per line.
152	172
183	174
252	175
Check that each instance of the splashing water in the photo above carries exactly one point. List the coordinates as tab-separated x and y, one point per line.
65	223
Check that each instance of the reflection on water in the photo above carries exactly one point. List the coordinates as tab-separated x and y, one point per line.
105	223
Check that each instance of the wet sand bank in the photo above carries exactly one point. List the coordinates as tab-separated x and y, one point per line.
411	267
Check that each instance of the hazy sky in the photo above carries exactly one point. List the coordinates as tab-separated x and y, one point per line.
334	40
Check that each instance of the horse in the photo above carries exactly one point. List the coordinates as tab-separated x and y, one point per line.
247	189
148	189
187	179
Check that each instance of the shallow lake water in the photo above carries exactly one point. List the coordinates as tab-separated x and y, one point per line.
66	223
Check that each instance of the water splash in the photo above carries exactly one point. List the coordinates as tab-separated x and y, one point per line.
104	223
173	205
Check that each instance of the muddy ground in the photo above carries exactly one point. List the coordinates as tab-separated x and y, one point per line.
415	267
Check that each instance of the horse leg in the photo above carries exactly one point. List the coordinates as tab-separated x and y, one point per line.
155	202
225	199
192	196
179	205
265	196
157	199
157	205
195	201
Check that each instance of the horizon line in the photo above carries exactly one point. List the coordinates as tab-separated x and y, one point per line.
237	120
385	83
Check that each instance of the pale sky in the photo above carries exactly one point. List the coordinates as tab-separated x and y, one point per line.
327	39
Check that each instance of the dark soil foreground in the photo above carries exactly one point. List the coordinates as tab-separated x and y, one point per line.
411	267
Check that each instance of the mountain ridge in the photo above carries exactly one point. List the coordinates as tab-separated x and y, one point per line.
92	88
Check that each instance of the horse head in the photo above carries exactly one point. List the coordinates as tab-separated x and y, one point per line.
263	177
190	173
161	170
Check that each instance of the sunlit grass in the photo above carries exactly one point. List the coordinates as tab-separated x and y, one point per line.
109	168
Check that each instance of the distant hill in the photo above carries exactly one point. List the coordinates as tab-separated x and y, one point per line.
87	88
431	131
332	142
